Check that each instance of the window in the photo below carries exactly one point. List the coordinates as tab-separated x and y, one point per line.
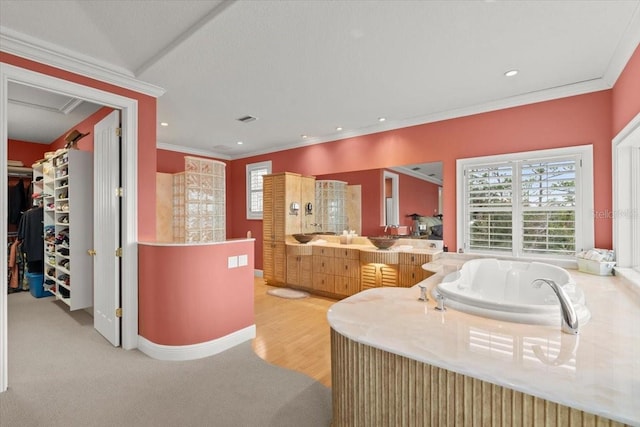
534	204
255	172
626	200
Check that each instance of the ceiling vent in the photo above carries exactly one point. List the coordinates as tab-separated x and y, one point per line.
246	119
417	168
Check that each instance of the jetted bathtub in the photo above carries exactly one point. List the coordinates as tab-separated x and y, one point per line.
503	290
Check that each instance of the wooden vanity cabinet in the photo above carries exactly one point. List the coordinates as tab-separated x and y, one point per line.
299	266
274	262
410	270
346	270
377	275
279	192
322	267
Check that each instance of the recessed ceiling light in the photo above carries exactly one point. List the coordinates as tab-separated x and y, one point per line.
239	142
381	119
338	128
511	73
165	124
304	136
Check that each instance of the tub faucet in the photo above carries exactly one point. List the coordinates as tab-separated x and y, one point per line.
567	312
423	293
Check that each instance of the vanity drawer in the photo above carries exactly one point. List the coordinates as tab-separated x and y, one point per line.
322	264
346	253
346	267
323	251
323	282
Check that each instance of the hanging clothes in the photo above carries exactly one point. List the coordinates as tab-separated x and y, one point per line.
14	273
17	202
30	233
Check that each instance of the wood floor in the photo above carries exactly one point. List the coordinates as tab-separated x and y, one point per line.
293	333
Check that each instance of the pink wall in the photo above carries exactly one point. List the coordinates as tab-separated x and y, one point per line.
173	161
84	126
571	121
417	196
27	152
188	295
626	94
146	137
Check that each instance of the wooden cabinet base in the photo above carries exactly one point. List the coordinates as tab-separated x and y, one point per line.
373	387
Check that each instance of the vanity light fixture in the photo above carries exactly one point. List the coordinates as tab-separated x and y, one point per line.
511	73
164	124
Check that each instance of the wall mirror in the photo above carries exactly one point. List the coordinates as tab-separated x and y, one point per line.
391	195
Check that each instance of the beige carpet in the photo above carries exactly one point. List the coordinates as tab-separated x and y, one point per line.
63	373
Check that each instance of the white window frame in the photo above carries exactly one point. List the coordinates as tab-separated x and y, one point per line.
626	200
252	167
584	209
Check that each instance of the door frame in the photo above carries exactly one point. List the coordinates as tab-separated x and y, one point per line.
129	224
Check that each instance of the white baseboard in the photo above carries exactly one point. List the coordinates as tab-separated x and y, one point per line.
195	351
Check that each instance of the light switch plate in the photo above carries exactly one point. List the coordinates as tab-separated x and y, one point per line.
243	260
232	262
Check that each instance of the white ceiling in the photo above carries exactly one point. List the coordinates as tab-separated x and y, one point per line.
306	67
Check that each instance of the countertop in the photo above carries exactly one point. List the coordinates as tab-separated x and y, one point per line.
222	242
597	371
422	246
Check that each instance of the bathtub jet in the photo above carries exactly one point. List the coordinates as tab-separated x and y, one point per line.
505	290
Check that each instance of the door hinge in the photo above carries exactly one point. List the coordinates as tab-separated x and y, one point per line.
119	312
118	131
119	252
119	192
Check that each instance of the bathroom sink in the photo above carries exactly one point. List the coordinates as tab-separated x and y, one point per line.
382	242
303	238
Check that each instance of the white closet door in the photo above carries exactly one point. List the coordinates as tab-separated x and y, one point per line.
106	234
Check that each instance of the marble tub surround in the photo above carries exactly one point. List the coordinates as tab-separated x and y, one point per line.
597	371
504	290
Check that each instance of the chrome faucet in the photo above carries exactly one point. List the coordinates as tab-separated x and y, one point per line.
423	293
567	312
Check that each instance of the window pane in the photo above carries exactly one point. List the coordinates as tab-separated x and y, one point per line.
256	179
549	232
490	186
254	176
491	230
549	184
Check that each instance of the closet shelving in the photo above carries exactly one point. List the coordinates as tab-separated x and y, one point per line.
68	227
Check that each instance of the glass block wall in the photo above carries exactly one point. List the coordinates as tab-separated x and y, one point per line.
178	207
331	202
199	202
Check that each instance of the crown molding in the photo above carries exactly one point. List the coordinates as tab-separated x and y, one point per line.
549	94
189	150
28	47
